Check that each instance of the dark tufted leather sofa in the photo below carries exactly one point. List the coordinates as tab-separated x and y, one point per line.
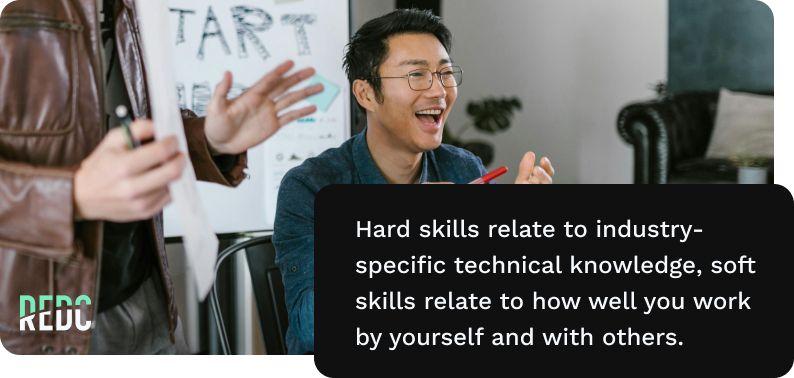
670	137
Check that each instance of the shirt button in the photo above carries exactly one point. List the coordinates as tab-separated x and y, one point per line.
294	269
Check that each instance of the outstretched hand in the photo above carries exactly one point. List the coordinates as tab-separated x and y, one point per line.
233	126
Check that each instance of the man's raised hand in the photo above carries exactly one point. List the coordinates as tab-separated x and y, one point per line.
529	173
234	126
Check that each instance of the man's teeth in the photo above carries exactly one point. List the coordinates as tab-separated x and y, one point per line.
429	112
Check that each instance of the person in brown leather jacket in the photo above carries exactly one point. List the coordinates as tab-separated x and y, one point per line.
80	214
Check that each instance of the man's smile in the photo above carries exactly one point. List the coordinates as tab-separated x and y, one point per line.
431	118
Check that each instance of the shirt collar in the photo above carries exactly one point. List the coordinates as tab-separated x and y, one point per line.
368	172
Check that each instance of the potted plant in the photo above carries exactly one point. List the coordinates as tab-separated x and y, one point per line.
489	115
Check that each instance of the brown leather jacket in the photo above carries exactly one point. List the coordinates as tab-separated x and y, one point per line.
51	118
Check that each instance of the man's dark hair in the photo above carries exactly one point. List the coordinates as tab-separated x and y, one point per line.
368	48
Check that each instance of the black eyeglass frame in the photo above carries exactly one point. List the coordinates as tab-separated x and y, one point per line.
432	77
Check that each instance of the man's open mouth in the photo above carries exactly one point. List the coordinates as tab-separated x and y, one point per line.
429	116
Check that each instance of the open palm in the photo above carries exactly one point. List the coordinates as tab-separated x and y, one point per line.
234	126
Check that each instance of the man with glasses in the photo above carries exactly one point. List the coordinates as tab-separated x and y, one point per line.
404	80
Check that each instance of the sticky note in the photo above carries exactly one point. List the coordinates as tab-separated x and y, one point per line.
324	99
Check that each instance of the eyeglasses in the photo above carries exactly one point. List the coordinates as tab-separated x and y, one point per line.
422	79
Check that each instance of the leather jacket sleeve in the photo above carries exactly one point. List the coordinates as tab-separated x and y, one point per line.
209	168
36	210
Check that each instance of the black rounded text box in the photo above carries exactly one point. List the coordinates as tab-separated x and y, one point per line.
610	280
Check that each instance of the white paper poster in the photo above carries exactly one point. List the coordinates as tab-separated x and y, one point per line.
201	244
249	38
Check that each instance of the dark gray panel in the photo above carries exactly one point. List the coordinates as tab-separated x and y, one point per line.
720	43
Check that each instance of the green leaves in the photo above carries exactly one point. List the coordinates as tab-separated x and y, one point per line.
492	115
489	115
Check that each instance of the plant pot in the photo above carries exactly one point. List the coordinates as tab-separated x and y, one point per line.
752	175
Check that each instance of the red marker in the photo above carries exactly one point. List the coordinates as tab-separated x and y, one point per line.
490	176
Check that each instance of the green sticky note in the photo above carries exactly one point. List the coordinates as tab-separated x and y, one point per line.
324	99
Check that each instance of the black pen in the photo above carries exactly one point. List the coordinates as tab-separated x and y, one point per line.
126	121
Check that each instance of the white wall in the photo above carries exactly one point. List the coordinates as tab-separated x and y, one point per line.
365	10
573	63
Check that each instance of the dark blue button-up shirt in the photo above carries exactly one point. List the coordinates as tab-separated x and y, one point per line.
293	237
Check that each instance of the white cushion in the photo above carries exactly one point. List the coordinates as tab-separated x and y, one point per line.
744	126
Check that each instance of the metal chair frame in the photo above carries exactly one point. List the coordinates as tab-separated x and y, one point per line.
214	303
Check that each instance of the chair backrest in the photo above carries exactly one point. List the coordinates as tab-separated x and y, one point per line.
690	123
269	293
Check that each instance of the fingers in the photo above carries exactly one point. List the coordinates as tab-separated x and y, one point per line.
528	173
117	138
164	200
293	97
296	114
222	89
540	176
272	78
526	167
158	178
546	164
148	156
142	129
149	204
291	81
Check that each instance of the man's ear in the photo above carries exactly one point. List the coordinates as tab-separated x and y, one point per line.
365	95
